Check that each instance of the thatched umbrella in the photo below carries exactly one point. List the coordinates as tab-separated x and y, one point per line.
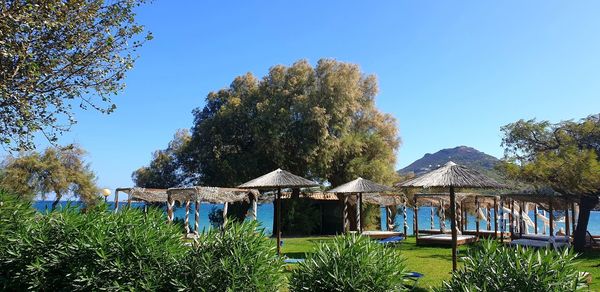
452	176
358	186
278	179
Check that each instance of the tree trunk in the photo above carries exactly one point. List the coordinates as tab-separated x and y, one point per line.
586	204
59	196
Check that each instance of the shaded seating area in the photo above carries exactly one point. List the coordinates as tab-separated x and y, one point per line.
141	195
213	195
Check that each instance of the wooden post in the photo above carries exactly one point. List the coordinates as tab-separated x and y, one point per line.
503	225
453	226
170	204
442	217
117	201
279	221
358	223
488	212
196	216
573	217
511	227
535	219
416	218
187	217
567	223
225	210
521	221
254	208
551	216
477	215
405	215
431	218
345	214
495	217
360	201
463	218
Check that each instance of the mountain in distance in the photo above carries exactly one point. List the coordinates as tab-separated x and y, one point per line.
463	155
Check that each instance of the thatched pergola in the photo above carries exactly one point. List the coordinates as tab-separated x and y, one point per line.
278	179
358	186
213	195
137	194
452	176
548	199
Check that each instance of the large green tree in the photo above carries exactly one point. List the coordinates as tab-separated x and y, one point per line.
320	122
563	156
58	170
55	54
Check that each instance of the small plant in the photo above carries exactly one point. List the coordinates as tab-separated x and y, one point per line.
240	258
495	267
350	263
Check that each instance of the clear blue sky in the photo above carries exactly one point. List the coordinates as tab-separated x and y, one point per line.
452	73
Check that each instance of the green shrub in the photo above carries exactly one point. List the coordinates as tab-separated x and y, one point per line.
238	259
350	263
97	250
495	267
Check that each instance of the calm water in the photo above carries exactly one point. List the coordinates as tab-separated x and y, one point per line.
265	217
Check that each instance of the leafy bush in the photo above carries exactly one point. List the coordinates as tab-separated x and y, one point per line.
215	217
300	216
350	263
238	259
96	250
495	267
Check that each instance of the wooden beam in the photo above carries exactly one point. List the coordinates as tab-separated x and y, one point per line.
345	226
278	221
551	218
187	217
495	217
477	215
196	217
535	219
416	218
453	226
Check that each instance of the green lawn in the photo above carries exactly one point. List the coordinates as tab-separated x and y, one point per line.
434	262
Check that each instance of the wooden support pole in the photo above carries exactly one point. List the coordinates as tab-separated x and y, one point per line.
453	226
551	216
405	215
567	223
464	214
502	224
278	221
488	211
416	218
360	205
116	200
511	227
477	215
495	217
196	217
187	217
535	219
573	217
442	214
431	216
521	221
225	210
345	222
170	204
358	215
254	208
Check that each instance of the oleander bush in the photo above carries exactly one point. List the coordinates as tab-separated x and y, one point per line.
240	258
68	250
350	263
495	267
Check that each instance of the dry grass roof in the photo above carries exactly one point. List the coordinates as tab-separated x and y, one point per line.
278	179
213	195
452	174
144	194
361	185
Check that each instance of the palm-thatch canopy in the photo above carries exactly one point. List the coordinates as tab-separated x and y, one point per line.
361	185
278	179
149	195
541	196
384	199
212	195
452	175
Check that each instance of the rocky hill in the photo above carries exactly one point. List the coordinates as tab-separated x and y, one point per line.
464	155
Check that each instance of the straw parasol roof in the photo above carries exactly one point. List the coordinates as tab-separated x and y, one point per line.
452	174
144	194
361	185
278	179
212	195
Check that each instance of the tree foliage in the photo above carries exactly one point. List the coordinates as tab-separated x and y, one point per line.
164	170
320	122
57	170
55	54
563	156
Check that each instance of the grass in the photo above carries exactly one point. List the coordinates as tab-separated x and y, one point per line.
434	262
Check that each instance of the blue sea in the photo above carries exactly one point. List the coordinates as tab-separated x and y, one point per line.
265	217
